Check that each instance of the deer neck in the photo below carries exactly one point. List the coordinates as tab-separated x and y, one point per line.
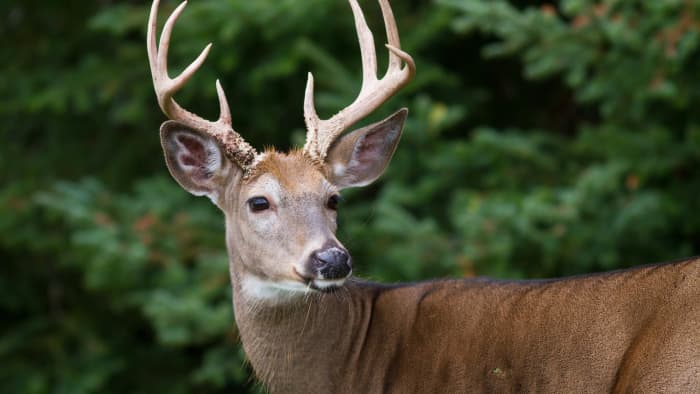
285	336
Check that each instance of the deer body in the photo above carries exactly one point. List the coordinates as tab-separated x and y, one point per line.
629	331
308	327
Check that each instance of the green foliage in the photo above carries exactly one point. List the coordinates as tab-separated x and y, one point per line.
543	140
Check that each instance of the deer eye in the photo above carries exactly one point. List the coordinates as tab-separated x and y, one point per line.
258	204
333	202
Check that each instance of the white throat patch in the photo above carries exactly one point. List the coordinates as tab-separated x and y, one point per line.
262	289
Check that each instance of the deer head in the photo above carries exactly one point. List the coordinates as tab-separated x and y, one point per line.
280	208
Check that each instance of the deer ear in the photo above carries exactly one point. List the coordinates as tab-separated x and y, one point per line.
194	159
360	157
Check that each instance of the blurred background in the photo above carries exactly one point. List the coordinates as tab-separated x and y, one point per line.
545	138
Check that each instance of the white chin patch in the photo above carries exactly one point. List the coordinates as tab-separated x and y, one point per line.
324	284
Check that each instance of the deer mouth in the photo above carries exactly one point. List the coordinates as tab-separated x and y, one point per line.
326	285
318	284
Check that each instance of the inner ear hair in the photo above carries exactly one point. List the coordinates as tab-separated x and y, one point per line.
194	159
360	157
204	154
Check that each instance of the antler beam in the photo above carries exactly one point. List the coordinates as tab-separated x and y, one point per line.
235	147
374	92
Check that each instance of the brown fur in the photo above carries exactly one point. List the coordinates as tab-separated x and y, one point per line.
292	169
628	331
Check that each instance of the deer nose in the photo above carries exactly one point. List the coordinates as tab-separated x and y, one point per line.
332	262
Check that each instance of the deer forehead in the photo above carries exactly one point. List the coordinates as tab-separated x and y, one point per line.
286	175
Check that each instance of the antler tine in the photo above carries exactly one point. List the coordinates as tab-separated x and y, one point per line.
367	50
235	147
373	93
311	119
392	34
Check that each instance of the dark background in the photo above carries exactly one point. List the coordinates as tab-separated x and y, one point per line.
544	139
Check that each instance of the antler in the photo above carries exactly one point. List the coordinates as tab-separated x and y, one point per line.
374	92
235	147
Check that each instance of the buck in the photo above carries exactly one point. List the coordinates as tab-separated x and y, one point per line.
308	327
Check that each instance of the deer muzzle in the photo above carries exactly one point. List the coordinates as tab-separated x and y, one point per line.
330	266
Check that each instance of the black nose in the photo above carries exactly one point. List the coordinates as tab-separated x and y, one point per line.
332	262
